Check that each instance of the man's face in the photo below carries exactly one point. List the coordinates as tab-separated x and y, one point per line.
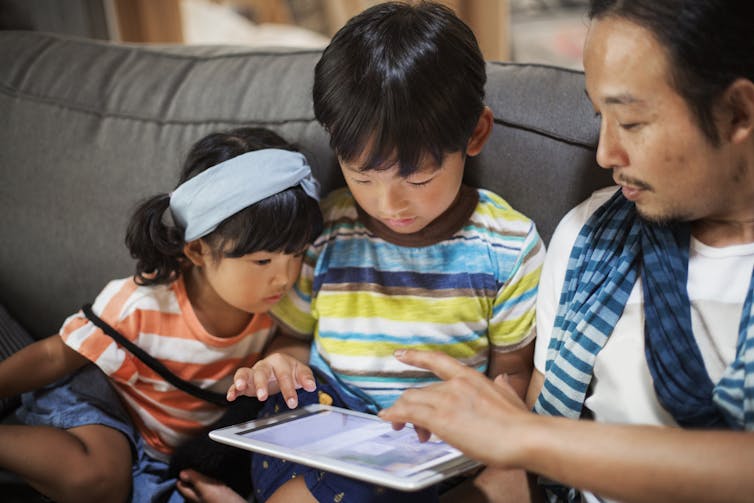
648	135
406	205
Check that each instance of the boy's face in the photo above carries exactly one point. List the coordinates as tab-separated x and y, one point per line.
406	205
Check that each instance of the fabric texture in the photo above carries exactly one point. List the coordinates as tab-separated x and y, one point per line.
613	248
203	202
160	320
84	398
362	297
12	338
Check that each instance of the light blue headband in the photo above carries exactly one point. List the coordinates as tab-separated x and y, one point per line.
200	204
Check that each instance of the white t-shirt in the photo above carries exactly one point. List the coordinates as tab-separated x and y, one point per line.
621	390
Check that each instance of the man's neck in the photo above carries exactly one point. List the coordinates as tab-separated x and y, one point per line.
724	232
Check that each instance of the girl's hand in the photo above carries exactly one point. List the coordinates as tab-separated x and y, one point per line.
278	372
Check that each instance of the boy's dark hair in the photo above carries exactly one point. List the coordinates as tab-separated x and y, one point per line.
400	81
709	44
284	222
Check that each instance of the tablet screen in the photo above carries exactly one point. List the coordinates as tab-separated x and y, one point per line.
360	440
350	443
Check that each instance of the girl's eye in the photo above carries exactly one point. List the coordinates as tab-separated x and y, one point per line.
265	261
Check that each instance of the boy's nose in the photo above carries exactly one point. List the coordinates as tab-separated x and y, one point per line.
392	201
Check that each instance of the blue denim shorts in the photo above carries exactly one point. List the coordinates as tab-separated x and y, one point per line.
269	473
86	398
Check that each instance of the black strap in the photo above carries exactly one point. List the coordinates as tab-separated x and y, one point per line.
181	384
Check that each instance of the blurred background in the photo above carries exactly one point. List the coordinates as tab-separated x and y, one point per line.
531	31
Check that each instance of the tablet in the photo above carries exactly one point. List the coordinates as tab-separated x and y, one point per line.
354	444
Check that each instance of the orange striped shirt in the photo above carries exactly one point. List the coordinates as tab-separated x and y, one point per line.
161	320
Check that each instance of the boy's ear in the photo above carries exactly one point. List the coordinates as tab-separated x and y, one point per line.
196	252
481	132
738	108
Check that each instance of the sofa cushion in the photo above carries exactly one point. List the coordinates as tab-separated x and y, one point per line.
12	338
96	127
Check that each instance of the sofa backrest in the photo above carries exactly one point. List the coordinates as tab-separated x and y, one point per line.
92	128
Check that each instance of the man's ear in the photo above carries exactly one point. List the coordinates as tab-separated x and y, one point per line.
738	108
481	132
196	251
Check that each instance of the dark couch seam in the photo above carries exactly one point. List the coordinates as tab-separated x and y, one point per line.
503	64
78	108
548	134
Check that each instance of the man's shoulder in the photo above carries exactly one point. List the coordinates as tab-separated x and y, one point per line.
570	225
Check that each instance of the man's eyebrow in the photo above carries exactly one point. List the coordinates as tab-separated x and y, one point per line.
618	99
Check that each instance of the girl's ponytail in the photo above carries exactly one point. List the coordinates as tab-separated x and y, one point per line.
156	245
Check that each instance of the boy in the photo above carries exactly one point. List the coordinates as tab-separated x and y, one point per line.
410	257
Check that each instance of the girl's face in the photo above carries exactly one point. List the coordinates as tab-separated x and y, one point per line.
225	291
252	283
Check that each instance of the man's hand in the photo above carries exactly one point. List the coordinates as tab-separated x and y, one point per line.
467	410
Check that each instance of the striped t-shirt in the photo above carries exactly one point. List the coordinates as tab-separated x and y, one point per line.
160	320
364	293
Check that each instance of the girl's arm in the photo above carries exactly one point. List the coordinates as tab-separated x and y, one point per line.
37	365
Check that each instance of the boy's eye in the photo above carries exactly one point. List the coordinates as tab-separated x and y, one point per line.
361	182
420	184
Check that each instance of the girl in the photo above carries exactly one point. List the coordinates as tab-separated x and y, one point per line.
211	258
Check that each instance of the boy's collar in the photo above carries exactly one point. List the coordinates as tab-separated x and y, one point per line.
440	229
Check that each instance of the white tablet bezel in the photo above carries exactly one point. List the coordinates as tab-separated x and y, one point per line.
453	464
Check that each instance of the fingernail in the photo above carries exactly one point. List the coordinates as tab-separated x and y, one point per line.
398	353
261	395
291	403
239	383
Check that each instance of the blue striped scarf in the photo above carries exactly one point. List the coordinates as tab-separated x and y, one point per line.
614	247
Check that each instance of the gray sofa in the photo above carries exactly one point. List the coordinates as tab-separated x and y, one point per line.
91	128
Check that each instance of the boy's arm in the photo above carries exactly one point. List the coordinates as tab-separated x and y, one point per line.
516	365
37	365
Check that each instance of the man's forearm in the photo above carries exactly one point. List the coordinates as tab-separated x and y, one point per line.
643	463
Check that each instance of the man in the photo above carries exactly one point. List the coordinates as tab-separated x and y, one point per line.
654	335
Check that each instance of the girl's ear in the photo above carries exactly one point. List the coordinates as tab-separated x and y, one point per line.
196	252
738	103
481	132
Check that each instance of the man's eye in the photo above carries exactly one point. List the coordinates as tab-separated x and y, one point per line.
628	126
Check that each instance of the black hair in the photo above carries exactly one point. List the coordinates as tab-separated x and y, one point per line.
284	222
402	81
709	44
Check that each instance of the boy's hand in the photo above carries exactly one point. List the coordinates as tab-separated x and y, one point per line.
278	372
